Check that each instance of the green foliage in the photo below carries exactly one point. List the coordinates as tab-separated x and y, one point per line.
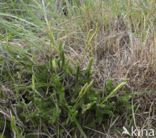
58	92
42	89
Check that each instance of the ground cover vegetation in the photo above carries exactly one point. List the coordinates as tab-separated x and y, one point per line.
79	69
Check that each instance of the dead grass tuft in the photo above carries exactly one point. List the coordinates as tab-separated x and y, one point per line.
119	52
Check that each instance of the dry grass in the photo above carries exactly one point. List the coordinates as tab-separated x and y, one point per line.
119	36
121	50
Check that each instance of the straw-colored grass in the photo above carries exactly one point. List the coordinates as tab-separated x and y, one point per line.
83	69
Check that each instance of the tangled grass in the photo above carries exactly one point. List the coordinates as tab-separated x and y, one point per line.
84	74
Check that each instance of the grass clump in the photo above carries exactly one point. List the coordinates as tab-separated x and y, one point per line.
55	94
83	69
